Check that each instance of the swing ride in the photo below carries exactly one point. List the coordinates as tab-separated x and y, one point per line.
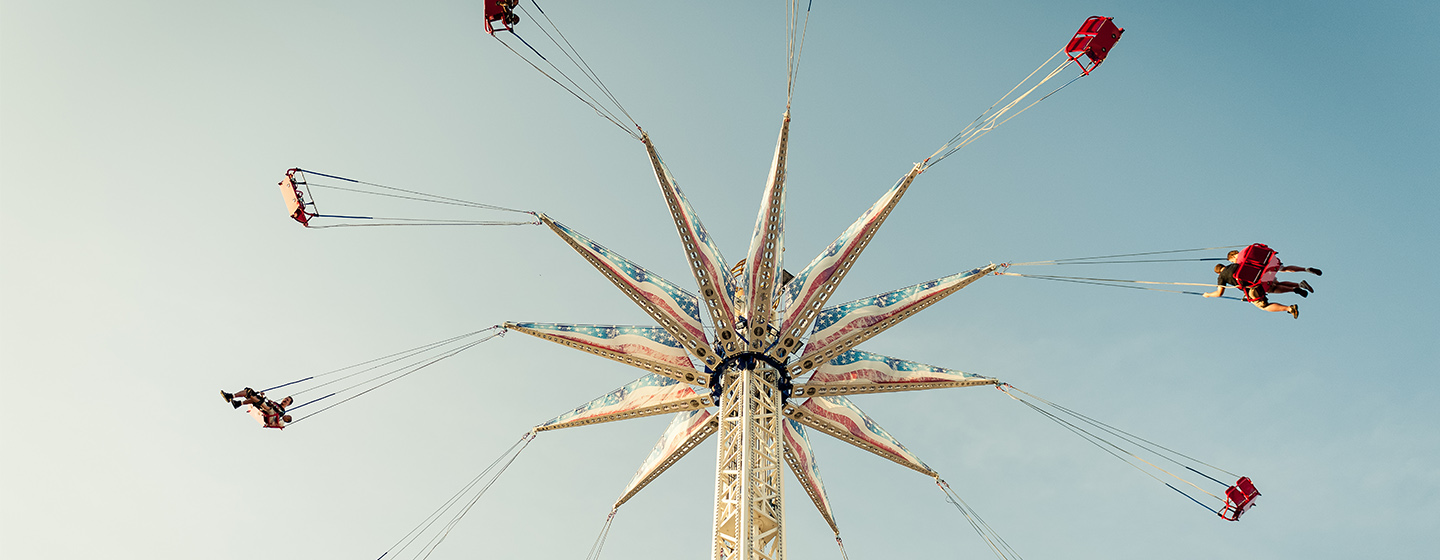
775	361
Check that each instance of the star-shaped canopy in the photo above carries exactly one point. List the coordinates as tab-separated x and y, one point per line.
753	312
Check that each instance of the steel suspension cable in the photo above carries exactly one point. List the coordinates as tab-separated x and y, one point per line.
1083	281
1127	435
401	355
423	196
991	118
795	47
997	544
435	516
579	65
1059	261
594	553
1102	443
402	373
584	66
603	114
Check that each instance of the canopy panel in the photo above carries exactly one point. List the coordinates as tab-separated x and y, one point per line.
717	288
801	458
767	247
647	396
841	419
858	371
811	289
677	311
839	329
647	348
687	430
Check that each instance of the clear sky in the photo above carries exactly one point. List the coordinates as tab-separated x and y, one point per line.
146	262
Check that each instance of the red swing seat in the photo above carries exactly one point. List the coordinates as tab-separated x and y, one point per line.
1239	499
1094	40
502	11
1258	265
295	198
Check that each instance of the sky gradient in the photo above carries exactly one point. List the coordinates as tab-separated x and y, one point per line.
146	262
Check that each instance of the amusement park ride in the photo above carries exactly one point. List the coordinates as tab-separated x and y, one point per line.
775	360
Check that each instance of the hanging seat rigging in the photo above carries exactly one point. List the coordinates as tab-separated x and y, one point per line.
1237	498
297	191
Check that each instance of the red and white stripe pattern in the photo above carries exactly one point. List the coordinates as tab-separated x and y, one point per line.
686	431
808	290
807	470
858	367
840	418
677	311
647	396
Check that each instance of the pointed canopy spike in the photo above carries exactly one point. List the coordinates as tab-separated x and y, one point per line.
811	289
717	287
685	433
801	458
767	245
677	311
648	348
648	396
858	371
841	419
843	327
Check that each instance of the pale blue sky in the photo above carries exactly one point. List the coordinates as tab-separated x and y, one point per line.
145	262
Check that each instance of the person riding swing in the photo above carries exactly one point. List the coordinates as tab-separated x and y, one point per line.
1253	271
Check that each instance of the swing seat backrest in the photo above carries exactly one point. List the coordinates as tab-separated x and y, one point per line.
1252	261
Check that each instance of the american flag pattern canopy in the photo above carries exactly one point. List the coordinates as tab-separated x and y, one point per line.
648	348
808	292
686	431
712	274
647	396
858	371
840	418
677	311
763	264
840	328
801	458
762	314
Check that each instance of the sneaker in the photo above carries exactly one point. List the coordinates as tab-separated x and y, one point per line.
1295	311
1302	293
236	404
1314	271
228	397
1306	286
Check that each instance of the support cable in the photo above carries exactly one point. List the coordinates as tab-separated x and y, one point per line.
795	45
1108	446
584	66
401	373
574	88
1073	260
411	537
997	544
1117	285
992	117
594	553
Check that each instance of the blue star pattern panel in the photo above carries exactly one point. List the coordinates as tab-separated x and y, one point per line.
808	291
858	367
717	287
647	396
840	328
676	310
